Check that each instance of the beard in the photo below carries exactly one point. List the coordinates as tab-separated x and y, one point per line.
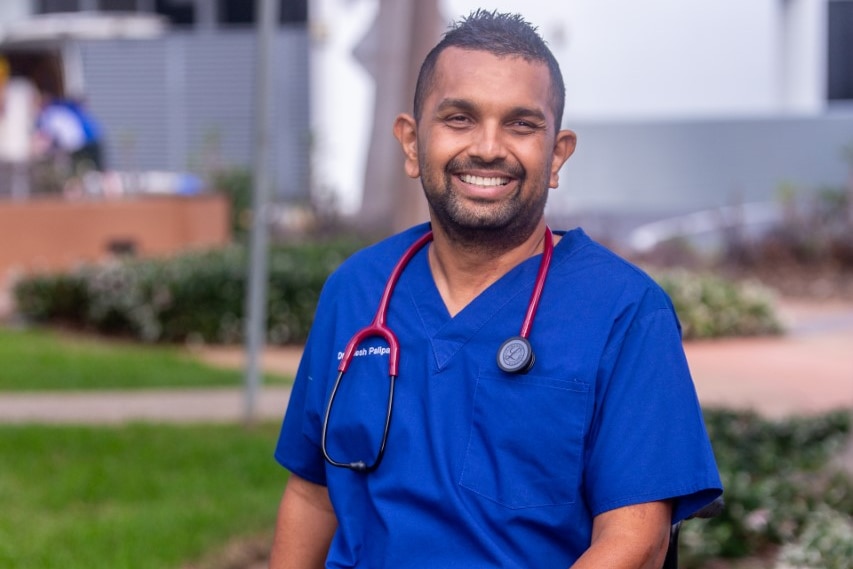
485	224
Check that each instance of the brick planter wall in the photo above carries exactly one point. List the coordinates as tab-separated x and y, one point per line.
53	234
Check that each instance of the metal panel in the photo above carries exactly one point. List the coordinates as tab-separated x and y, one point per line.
127	90
672	167
220	79
293	143
185	102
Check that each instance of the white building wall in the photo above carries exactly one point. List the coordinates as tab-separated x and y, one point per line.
14	10
623	61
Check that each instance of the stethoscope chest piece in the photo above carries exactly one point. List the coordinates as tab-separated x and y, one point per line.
516	355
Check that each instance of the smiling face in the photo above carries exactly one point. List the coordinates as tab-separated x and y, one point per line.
486	147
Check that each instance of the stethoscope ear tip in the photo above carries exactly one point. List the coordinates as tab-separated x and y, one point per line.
516	355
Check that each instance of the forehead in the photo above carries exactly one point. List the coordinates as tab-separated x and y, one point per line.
481	77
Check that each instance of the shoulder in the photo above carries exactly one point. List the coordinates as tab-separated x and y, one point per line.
355	287
381	256
375	262
582	263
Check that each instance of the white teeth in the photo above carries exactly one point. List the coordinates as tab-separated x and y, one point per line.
485	182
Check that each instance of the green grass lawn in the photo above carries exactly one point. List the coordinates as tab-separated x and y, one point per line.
139	496
38	359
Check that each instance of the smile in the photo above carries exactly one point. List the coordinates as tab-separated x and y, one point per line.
484	182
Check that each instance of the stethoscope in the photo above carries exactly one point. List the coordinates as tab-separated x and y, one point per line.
515	354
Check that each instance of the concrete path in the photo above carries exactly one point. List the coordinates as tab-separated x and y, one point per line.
161	405
810	370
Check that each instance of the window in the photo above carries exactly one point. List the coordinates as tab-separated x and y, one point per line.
231	12
294	12
178	12
241	12
182	13
117	5
47	6
840	64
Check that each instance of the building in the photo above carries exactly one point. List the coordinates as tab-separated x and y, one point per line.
184	101
678	106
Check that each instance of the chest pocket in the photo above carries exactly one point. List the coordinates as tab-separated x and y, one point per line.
526	440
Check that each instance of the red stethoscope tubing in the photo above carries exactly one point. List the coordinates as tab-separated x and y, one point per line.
538	285
378	328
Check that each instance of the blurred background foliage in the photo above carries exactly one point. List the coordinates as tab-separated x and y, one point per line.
199	297
788	500
815	230
806	252
195	297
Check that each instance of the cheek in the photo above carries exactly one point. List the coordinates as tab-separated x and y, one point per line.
434	165
440	147
537	162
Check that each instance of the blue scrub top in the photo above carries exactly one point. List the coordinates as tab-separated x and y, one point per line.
483	468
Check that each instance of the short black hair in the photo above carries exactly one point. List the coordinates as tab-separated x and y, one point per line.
501	34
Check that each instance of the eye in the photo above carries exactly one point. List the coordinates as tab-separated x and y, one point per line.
458	120
522	126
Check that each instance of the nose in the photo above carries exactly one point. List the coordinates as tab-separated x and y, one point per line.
488	143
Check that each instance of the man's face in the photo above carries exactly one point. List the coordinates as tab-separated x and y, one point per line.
487	148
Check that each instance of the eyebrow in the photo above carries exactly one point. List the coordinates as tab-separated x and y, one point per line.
529	113
468	106
461	104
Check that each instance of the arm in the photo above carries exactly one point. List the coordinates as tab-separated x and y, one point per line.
306	524
633	537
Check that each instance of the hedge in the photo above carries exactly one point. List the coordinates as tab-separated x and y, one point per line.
786	498
710	306
199	297
194	297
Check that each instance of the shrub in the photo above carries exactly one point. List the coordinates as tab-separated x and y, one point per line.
193	297
236	184
780	488
826	542
816	229
200	296
711	307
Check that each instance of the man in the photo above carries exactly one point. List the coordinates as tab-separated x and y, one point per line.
582	461
65	127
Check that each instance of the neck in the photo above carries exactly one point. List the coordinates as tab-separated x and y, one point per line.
463	271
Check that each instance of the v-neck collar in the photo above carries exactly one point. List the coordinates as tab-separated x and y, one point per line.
447	334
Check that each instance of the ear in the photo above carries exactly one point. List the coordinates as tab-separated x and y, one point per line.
564	146
406	132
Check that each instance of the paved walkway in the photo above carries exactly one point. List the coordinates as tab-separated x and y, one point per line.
810	370
161	405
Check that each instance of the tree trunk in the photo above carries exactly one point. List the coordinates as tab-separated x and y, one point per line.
402	34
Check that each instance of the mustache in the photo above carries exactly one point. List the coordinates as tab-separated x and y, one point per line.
502	166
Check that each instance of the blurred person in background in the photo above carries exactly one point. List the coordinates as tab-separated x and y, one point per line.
582	457
65	128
